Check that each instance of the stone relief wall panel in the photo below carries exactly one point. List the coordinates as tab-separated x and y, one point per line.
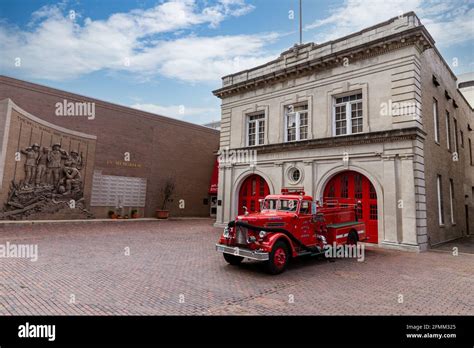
47	170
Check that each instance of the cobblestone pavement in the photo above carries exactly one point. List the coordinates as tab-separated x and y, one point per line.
173	269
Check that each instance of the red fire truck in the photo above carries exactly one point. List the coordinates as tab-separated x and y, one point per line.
289	225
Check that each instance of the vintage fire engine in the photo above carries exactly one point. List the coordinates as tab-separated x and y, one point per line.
290	225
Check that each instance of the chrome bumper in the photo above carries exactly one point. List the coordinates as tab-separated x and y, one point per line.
250	254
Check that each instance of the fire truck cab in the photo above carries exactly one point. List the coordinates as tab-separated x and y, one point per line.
289	225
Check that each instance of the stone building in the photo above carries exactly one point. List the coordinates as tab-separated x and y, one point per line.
466	87
57	146
375	116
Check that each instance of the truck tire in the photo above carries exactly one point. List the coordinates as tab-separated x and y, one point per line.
278	259
233	259
352	238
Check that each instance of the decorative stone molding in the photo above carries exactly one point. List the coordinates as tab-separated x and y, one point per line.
347	140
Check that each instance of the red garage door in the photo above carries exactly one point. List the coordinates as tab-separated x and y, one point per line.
349	187
253	188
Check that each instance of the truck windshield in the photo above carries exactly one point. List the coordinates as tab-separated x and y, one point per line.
280	204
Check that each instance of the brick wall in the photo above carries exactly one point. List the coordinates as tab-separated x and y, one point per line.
159	146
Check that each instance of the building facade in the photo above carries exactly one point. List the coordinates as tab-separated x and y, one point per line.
466	87
374	117
214	125
57	147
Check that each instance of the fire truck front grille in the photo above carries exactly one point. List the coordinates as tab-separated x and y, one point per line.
241	235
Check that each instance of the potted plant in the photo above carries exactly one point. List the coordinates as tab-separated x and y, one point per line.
111	214
167	192
134	213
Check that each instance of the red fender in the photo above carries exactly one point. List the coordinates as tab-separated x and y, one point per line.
273	238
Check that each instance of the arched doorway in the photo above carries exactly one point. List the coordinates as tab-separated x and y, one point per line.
253	188
349	187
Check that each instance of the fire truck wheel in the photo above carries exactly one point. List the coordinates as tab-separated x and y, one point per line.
279	257
233	260
352	238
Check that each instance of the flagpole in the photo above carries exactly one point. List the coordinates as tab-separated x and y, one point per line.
301	24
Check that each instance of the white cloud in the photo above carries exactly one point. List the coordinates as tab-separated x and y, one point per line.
449	26
56	47
204	58
355	15
448	22
178	111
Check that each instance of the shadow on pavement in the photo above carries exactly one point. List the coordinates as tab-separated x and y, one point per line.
464	245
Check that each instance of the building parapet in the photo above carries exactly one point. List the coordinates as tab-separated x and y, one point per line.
304	59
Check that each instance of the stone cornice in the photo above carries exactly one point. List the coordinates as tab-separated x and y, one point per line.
411	133
417	36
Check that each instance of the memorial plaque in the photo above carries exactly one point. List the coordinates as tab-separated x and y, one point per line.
113	190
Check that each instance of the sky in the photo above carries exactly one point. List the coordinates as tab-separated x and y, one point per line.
167	56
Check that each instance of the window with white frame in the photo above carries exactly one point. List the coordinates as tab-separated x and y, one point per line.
436	120
296	122
470	152
451	200
456	141
439	186
348	117
256	129
448	131
294	175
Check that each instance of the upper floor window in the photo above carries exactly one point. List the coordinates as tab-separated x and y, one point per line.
296	121
461	135
451	201
448	131
439	187
456	144
470	153
256	129
348	114
436	120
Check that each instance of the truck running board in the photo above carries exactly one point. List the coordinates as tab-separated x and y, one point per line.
311	253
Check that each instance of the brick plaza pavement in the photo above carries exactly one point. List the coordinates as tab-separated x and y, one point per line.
172	268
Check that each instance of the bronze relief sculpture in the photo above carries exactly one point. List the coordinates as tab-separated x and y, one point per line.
52	183
31	153
41	167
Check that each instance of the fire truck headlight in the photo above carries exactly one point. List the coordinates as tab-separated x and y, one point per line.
226	232
262	234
